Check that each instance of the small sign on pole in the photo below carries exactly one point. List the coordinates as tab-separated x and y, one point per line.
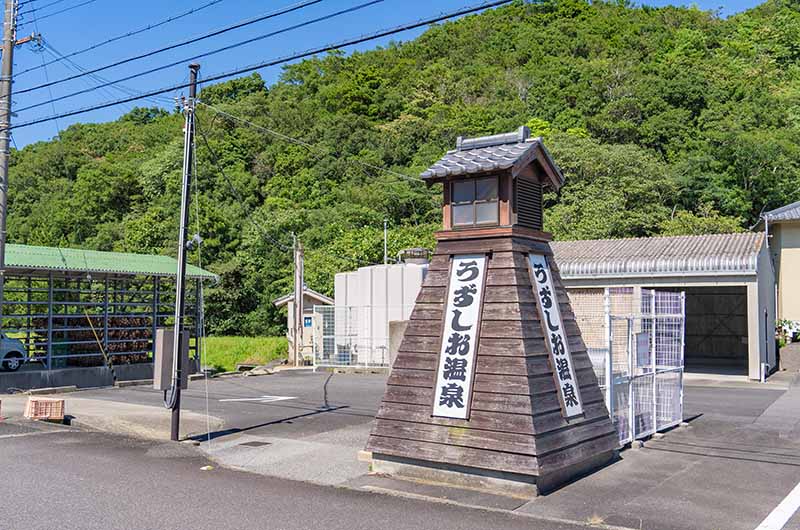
460	338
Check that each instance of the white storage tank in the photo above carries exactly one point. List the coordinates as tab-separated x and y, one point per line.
367	299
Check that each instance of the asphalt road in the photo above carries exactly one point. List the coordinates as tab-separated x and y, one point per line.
94	481
725	470
321	402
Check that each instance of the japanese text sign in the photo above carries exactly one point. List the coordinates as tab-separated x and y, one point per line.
460	338
560	357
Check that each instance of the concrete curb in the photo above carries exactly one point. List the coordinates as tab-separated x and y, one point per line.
136	382
52	390
140	429
353	370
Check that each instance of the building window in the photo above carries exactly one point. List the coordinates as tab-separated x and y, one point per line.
474	202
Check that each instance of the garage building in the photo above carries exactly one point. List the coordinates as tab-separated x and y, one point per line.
728	280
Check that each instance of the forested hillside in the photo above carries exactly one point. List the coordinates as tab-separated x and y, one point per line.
665	121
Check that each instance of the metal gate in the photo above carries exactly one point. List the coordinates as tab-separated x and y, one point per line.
358	336
636	346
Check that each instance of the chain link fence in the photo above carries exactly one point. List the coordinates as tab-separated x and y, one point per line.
358	336
635	340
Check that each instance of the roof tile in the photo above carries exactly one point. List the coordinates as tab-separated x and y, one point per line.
790	212
704	254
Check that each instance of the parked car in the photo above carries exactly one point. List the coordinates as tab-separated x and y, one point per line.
12	353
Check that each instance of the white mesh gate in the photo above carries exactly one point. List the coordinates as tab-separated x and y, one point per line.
635	341
358	336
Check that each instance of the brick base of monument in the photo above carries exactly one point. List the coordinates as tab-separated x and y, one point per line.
516	439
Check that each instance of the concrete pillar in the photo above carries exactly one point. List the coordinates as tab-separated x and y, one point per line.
755	340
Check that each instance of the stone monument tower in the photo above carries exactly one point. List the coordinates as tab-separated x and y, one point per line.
492	386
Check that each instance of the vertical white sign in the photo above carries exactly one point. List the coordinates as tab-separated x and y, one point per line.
560	357
460	339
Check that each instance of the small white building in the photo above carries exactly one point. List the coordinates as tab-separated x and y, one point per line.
366	301
311	320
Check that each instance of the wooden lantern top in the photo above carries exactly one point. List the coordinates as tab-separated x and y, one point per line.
493	182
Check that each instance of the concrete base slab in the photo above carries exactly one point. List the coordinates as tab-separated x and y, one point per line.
493	482
435	492
490	481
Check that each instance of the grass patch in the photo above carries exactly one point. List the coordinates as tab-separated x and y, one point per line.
224	353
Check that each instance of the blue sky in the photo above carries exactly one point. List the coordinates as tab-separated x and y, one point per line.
103	19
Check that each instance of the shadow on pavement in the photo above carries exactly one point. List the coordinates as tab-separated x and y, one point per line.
227	432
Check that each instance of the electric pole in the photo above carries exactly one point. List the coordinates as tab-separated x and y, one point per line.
6	71
180	280
299	289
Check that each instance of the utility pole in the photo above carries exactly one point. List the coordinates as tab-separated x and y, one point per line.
180	281
385	241
298	299
6	71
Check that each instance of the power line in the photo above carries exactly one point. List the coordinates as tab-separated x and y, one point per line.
239	197
46	75
70	8
236	193
186	42
33	9
124	35
212	52
305	144
258	66
100	82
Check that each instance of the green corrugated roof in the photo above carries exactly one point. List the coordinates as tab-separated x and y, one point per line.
79	260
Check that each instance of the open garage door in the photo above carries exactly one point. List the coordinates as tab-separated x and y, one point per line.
716	329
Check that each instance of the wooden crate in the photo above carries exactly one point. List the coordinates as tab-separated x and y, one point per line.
41	408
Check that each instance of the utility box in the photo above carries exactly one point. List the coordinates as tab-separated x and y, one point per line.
162	364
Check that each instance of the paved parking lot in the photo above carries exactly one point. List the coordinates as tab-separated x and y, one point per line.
320	402
735	462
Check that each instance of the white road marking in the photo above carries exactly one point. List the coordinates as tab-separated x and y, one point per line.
262	399
782	512
34	433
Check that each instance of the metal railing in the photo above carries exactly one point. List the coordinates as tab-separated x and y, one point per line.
355	335
637	356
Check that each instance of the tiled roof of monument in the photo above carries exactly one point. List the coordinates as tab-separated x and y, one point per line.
790	212
653	256
488	153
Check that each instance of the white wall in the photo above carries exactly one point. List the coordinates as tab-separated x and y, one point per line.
767	303
366	301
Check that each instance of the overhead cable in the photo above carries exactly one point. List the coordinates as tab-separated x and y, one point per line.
31	10
304	143
47	76
274	62
239	196
122	36
212	52
99	81
186	42
54	13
